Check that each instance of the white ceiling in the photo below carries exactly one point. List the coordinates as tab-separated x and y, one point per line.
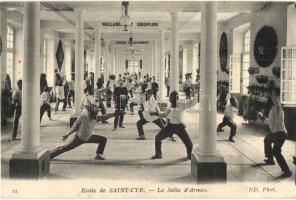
60	16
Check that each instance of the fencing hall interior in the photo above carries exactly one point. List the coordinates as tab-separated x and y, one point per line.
164	91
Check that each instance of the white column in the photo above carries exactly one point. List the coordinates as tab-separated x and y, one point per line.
107	57
206	153
156	61
190	57
42	64
30	138
194	61
151	61
184	64
97	66
174	71
208	81
3	33
68	58
117	61
79	61
112	59
162	91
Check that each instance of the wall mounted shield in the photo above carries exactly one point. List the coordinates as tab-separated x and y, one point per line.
223	52
265	47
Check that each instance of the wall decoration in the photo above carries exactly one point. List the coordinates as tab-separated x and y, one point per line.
0	45
262	79
253	70
126	64
84	60
60	55
141	64
265	47
276	71
223	52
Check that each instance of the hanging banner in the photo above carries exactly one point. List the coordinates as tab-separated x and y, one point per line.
60	55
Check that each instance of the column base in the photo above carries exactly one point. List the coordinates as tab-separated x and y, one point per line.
73	118
28	166
208	168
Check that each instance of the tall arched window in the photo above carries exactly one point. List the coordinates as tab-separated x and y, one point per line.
245	63
10	52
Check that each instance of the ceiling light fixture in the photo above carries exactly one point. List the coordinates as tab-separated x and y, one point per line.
125	19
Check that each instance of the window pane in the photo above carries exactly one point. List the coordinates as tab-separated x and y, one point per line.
234	78
287	75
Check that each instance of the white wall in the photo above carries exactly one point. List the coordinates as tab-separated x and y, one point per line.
274	16
68	60
291	26
223	76
19	55
90	61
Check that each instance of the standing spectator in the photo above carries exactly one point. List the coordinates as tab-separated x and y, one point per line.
7	108
43	83
277	137
154	87
167	83
89	84
66	89
17	100
60	95
149	83
188	86
56	76
45	106
99	96
110	87
120	97
71	90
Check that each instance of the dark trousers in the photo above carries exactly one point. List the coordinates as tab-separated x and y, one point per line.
76	141
228	122
108	98
17	115
43	108
131	93
102	109
58	102
277	139
168	91
168	131
140	111
187	92
132	104
159	122
154	94
71	94
119	115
